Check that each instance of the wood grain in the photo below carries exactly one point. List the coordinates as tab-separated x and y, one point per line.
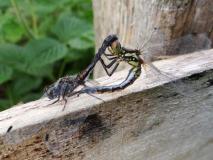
148	120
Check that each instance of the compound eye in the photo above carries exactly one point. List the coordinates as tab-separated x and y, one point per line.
50	93
116	44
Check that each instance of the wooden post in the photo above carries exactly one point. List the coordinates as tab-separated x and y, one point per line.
134	20
149	120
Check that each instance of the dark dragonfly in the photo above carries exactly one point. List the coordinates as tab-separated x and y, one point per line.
66	85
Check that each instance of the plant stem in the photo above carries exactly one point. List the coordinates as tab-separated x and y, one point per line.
21	19
34	22
34	18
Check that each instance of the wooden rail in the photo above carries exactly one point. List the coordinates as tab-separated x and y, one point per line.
155	118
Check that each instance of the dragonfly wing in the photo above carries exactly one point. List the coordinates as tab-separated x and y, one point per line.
151	70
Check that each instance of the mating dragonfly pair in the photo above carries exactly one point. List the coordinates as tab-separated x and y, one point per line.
65	86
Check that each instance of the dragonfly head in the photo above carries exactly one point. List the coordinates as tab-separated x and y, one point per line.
110	39
51	91
116	44
116	47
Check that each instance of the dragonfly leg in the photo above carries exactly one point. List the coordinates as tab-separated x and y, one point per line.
64	96
109	56
109	73
95	97
113	70
106	43
108	65
58	99
65	102
128	50
110	50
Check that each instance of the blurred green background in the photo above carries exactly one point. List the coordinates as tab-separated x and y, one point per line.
40	41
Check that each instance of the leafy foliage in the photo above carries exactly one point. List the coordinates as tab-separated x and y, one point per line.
5	73
41	41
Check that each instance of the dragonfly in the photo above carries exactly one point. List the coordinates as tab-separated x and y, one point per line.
66	85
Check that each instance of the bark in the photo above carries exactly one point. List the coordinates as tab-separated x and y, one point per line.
188	22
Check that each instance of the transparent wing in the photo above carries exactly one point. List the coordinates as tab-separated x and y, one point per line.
156	46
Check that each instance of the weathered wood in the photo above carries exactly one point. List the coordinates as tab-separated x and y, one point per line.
134	20
148	120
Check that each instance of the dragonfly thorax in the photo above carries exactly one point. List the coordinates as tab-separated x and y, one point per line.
61	87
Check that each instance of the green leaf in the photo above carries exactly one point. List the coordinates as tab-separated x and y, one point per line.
5	73
49	6
25	84
42	71
80	43
12	31
74	55
12	56
4	3
4	104
44	27
31	96
69	27
44	9
42	52
89	35
22	60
